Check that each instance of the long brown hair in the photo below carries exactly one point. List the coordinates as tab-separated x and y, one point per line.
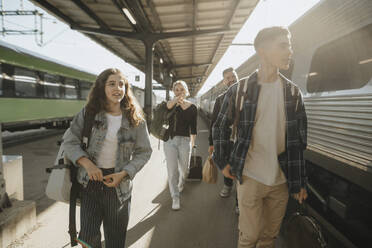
129	105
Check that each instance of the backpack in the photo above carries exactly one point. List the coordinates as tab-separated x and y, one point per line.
302	230
62	183
159	126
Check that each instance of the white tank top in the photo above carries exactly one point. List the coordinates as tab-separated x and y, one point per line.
107	156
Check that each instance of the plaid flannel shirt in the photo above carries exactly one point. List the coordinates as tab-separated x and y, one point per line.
291	161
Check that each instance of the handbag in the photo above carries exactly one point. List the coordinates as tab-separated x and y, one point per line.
159	126
209	171
59	182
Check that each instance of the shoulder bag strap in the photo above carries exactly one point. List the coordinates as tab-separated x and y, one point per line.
75	187
87	129
242	85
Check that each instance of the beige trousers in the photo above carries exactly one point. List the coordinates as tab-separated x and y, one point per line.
262	209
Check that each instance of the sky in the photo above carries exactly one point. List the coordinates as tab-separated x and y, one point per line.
74	48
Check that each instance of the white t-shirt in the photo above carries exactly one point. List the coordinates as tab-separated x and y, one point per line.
268	136
107	156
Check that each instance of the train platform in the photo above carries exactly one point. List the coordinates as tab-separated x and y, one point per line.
205	220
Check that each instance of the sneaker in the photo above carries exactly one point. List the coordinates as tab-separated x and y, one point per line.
225	192
176	204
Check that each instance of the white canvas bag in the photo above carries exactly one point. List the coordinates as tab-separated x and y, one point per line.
59	182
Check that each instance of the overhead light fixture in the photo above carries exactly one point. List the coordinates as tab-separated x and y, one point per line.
311	74
170	74
242	44
366	61
129	15
161	61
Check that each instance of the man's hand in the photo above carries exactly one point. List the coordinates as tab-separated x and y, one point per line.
301	196
226	172
210	150
114	179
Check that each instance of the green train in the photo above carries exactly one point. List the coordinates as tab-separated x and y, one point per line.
37	91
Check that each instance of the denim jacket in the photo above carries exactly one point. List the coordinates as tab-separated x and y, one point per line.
291	161
134	149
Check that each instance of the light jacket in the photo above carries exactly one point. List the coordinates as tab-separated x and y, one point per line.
134	149
291	161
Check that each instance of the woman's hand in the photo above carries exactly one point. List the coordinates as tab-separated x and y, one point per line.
210	150
94	173
192	140
172	103
114	179
179	100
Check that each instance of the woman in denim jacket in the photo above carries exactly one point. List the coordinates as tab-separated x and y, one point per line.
119	147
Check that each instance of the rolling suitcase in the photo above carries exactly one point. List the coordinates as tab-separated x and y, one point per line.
195	167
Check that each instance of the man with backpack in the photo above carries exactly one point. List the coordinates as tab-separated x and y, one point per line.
269	123
229	78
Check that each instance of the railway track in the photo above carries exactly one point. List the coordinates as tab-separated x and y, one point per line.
16	138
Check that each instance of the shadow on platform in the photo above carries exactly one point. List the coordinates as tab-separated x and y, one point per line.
205	220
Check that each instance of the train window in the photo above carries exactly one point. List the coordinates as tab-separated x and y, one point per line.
343	64
51	86
40	86
84	89
8	86
25	82
70	89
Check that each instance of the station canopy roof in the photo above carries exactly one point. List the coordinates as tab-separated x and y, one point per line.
190	36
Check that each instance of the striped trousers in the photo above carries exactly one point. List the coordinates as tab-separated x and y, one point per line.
100	204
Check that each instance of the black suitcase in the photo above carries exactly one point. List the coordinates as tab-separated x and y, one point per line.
195	167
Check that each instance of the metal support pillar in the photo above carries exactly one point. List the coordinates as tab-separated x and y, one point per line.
167	83
149	45
1	151
167	97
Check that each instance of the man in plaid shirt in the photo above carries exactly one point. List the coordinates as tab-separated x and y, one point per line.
269	137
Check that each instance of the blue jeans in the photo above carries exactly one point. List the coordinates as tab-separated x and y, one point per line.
177	156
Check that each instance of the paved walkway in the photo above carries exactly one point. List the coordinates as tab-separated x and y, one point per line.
205	220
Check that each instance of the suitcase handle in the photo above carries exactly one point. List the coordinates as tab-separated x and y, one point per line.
193	153
59	166
193	149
